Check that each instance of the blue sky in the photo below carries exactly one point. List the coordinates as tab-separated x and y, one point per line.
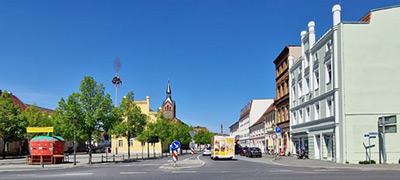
218	54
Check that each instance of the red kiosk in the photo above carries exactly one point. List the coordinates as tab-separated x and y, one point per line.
46	150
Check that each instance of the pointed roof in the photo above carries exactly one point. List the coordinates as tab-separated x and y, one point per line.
169	98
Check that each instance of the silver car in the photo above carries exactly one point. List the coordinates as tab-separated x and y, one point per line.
207	151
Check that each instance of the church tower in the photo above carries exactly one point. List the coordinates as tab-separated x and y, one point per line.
168	106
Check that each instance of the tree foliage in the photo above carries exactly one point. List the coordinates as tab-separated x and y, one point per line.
12	124
36	118
203	137
134	120
91	107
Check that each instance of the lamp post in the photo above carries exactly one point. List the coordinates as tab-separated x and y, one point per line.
75	119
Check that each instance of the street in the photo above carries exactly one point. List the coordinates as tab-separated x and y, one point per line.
239	168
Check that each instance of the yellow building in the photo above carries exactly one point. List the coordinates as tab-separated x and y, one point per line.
120	145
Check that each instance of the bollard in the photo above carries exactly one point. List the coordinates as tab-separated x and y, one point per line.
113	158
41	161
102	159
123	159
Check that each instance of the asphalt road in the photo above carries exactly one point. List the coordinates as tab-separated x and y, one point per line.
239	168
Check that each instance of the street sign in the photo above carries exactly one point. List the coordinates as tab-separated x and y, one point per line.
372	137
366	135
176	145
274	136
373	133
278	129
192	133
192	145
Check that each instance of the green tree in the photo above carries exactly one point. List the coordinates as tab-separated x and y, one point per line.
12	124
203	137
181	133
148	135
91	107
36	118
134	120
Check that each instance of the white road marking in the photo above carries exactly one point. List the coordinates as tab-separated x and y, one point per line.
183	171
132	173
78	174
325	170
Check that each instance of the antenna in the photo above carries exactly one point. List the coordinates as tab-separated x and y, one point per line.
116	80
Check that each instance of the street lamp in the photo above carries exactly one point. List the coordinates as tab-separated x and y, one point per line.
74	120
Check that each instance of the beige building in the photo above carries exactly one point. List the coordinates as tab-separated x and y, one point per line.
120	145
270	123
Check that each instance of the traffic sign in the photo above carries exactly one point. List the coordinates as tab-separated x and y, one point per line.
373	133
278	129
192	133
366	135
176	145
191	144
274	136
372	137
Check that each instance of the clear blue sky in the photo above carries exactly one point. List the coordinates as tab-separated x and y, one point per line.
218	54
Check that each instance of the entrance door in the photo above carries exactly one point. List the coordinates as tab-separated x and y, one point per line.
328	147
317	154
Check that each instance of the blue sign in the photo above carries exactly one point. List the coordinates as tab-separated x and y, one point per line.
278	129
176	145
373	133
366	135
372	137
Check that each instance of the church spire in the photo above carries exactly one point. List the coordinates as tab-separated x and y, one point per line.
168	90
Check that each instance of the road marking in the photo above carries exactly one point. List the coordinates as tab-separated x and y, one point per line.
325	170
26	175
183	171
132	173
78	174
280	170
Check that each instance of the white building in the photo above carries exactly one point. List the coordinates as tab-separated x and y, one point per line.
342	84
249	115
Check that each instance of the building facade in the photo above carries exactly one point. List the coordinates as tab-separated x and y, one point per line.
270	124
257	134
168	109
249	115
234	131
335	99
282	95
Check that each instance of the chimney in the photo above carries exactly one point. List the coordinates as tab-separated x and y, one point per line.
311	33
336	14
303	34
222	130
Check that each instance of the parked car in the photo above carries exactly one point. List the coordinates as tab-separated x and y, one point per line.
207	151
254	151
244	151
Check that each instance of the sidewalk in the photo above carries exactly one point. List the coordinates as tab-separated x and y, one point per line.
294	162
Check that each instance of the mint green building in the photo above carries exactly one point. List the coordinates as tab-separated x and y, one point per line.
342	84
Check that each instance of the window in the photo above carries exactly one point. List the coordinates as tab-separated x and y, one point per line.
328	107
131	143
316	57
277	92
328	68
307	114
316	79
306	60
294	117
300	116
279	116
294	93
316	115
300	89
307	86
120	143
328	46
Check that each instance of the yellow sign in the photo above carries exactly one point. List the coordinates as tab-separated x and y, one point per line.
39	129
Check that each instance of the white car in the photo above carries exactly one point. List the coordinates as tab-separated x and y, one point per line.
207	151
